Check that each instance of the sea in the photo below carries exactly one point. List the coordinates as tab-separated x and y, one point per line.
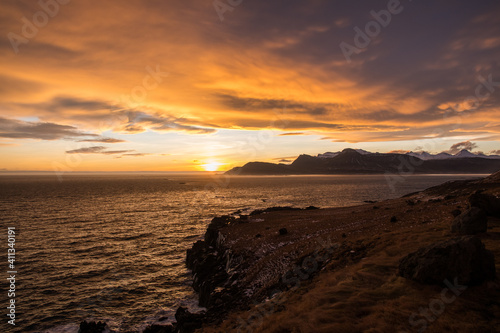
111	246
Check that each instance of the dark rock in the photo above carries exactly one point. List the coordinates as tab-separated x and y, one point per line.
376	207
456	212
273	209
470	222
188	322
394	219
207	259
344	235
258	236
410	202
92	327
212	233
312	208
196	252
464	258
449	197
370	201
283	231
159	329
488	202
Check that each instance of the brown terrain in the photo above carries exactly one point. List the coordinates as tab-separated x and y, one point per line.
336	270
425	262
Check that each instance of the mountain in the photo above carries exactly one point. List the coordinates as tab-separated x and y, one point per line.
442	156
351	161
464	153
330	154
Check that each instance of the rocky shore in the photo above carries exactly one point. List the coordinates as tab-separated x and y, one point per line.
423	262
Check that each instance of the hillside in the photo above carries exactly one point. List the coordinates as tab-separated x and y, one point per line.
336	270
350	161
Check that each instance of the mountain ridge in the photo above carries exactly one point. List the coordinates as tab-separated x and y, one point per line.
353	161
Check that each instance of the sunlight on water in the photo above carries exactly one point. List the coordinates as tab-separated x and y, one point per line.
113	247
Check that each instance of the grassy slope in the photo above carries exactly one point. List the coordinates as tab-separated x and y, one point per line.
358	289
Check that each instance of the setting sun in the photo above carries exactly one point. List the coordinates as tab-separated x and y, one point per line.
212	166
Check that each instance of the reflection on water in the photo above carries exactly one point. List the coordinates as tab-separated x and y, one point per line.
113	246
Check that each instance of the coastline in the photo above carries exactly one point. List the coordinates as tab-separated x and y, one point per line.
285	269
252	269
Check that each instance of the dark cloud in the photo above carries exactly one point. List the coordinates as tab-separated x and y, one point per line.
140	121
255	104
136	154
87	150
125	119
18	129
103	140
100	150
114	152
462	145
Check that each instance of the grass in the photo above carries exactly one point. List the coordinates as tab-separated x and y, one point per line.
358	290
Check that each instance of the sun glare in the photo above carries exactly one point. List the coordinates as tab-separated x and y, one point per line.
212	166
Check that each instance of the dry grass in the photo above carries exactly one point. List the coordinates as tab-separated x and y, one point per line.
357	291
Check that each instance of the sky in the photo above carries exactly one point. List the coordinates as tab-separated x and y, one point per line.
170	85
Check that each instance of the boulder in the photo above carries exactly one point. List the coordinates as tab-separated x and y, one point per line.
188	322
159	329
283	231
470	222
487	202
464	259
92	327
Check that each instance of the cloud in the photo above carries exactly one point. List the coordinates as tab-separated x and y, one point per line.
403	86
398	151
495	152
114	116
467	145
289	106
18	129
138	122
287	159
114	152
103	150
292	133
87	150
97	150
136	154
103	140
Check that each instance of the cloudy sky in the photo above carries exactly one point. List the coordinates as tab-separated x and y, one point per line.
193	85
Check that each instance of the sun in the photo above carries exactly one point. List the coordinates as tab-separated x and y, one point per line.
211	166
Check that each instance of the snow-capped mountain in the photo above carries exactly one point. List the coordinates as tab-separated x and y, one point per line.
444	156
465	153
420	154
330	154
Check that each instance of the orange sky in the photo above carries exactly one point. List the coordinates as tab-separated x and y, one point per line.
168	85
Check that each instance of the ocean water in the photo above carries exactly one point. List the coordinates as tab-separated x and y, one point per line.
112	246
